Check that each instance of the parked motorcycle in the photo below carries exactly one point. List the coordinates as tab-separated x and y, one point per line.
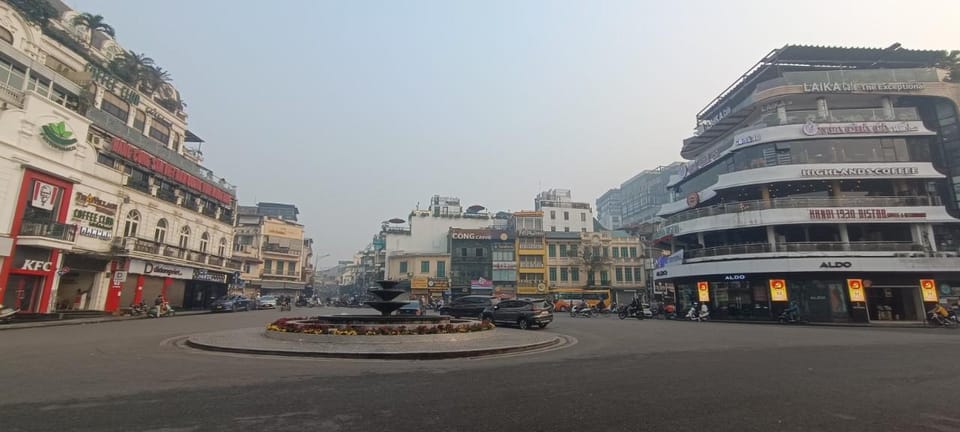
949	321
164	310
138	309
698	312
630	311
6	314
584	311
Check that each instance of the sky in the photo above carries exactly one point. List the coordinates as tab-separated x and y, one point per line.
356	111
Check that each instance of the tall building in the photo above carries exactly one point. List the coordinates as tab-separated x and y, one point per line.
531	250
562	214
279	211
106	202
610	209
642	195
825	176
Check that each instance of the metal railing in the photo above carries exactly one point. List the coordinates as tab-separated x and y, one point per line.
756	248
275	248
843	116
146	246
233	264
744	206
11	95
215	261
50	230
140	186
167	195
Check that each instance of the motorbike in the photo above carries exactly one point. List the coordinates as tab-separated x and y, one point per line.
698	313
6	314
163	310
138	309
788	318
302	303
584	311
949	321
285	306
630	311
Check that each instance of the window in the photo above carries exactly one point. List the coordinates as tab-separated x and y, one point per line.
222	249
553	229
204	239
552	250
583	230
140	121
604	277
185	238
105	159
606	251
583	218
616	253
424	266
39	85
160	234
463	252
591	277
566	229
596	251
279	267
553	273
132	223
628	274
442	268
246	267
638	274
563	250
160	131
268	266
624	252
573	251
6	36
619	273
566	215
403	268
113	105
633	252
503	255
479	252
575	274
11	75
563	274
553	214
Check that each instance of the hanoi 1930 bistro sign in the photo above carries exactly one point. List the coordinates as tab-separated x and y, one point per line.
862	214
161	167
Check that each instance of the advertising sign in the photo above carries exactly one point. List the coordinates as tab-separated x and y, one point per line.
160	270
855	287
928	288
778	290
703	291
470	234
44	195
481	283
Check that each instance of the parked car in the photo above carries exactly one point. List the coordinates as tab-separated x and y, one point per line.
468	306
268	301
232	304
521	313
413	307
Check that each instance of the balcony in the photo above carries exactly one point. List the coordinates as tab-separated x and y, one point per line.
842	116
277	249
216	261
11	95
744	206
190	204
208	211
879	248
167	195
197	257
531	264
142	186
226	216
54	235
233	264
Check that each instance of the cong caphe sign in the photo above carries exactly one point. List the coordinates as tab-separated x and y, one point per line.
471	234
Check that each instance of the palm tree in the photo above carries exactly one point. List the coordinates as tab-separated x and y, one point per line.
951	62
93	23
131	67
154	79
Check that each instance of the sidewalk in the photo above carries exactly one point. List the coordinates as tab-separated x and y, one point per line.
81	321
905	324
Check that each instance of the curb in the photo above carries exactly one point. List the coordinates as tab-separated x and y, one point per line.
815	324
60	323
417	355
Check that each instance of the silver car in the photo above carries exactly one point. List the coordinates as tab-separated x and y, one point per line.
268	301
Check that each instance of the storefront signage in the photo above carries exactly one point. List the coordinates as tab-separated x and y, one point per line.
90	200
836	264
36	265
112	84
94	219
481	283
708	123
778	290
865	213
928	289
161	167
44	195
855	288
58	136
209	276
504	265
463	234
659	273
97	233
853	86
747	139
703	291
736	277
155	113
858	172
433	284
865	128
160	270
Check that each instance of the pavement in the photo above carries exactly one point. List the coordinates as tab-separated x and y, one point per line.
624	375
84	321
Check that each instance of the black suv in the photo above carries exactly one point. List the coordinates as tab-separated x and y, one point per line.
522	313
468	306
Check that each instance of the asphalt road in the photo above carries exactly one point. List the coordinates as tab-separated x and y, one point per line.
619	376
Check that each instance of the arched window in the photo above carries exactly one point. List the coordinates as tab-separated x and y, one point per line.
184	237
132	223
223	247
160	234
204	238
6	36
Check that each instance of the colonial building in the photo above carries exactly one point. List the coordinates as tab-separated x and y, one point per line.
273	254
531	252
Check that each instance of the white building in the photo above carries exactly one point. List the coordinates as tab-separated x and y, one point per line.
562	214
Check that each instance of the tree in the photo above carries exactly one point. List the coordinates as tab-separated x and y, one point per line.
38	11
131	67
951	62
153	79
93	23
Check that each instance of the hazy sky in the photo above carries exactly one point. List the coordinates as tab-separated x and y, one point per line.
357	110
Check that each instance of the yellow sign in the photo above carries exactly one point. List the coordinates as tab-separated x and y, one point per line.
703	291
778	290
928	287
855	287
419	282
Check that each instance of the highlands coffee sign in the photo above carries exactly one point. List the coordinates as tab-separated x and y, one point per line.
859	172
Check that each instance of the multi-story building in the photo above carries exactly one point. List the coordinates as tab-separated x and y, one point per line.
531	252
825	176
610	209
564	262
92	154
562	214
471	260
427	272
504	259
642	195
273	254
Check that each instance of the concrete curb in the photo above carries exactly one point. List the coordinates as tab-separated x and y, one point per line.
82	321
814	324
394	355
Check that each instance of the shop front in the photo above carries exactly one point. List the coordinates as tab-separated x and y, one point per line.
205	287
81	282
183	287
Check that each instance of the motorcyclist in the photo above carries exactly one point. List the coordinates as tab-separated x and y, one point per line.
792	312
601	306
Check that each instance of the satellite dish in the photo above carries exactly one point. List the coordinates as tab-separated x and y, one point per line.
475	208
396	220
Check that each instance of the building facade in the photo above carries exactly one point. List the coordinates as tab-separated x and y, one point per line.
610	209
531	251
562	214
273	254
471	260
107	205
826	177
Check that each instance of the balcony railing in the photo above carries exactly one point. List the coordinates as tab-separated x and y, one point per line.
529	283
758	248
167	195
744	206
141	186
233	264
208	211
843	116
198	257
11	95
275	248
50	230
226	216
190	204
146	246
215	261
531	264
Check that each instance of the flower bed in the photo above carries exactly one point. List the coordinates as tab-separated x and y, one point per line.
312	326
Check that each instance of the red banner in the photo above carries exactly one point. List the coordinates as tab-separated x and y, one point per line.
161	167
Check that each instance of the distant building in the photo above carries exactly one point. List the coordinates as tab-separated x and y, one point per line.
277	210
610	209
562	214
642	195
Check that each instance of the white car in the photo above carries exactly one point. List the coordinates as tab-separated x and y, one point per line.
268	301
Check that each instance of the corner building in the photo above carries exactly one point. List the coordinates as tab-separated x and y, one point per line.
832	171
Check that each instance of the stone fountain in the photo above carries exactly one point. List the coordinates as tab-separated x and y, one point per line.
386	295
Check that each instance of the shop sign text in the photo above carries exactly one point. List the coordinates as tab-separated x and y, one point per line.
90	200
864	213
857	172
811	128
97	233
94	219
836	264
36	265
853	86
161	167
113	84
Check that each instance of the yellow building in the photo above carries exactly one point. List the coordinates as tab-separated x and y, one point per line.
531	253
427	272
